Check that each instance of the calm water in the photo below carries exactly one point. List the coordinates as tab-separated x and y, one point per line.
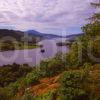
33	56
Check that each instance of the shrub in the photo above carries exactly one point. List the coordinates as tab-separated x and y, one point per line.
78	54
10	73
92	29
13	88
72	84
51	67
47	96
7	93
32	78
27	96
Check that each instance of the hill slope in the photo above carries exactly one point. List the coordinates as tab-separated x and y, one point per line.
42	35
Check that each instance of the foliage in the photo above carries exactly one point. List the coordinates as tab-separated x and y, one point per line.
47	96
72	57
27	96
10	73
86	48
72	83
52	66
32	78
78	54
92	29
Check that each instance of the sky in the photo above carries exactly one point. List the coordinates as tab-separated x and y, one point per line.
62	17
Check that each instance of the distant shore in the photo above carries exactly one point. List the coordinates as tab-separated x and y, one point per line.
22	47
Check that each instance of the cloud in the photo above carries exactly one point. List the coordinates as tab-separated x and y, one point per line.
44	14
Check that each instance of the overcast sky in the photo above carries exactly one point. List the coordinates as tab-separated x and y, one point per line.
47	16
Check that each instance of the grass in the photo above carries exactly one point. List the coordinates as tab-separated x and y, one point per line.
28	47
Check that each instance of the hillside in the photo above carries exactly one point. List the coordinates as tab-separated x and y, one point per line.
18	35
42	35
48	88
45	85
11	33
12	39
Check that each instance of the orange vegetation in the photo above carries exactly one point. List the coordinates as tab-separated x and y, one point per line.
45	85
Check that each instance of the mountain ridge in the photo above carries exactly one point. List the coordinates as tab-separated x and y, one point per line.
44	35
19	34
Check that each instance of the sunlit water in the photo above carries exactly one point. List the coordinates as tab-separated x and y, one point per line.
33	56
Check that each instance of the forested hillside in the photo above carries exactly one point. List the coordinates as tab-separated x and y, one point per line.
11	40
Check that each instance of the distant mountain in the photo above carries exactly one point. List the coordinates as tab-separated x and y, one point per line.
33	33
21	36
73	36
11	33
42	35
18	35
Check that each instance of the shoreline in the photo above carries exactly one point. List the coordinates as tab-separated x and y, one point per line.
23	48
